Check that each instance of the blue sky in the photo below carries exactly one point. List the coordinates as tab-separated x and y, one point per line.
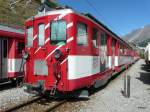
121	16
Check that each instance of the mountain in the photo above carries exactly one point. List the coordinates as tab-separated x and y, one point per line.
139	37
15	12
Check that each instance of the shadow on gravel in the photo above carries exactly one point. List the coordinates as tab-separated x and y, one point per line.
145	76
7	86
117	75
145	67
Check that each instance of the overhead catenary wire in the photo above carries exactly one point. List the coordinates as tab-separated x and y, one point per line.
100	15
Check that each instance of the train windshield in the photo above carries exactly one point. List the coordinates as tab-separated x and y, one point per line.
58	32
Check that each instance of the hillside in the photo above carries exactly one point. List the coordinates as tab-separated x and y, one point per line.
15	12
139	36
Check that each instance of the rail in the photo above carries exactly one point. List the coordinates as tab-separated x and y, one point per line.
37	99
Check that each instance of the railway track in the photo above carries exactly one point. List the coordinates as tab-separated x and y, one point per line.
38	104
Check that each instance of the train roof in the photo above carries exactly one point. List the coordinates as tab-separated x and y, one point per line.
6	31
104	26
87	15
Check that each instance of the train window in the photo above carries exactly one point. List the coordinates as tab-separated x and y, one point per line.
58	32
41	34
82	34
5	48
94	37
121	48
125	50
20	47
113	47
103	42
29	39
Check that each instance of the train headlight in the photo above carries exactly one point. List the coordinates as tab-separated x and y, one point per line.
57	54
25	55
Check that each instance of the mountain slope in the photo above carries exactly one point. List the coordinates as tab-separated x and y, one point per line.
139	36
15	12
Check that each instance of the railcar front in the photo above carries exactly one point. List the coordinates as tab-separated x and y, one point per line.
49	42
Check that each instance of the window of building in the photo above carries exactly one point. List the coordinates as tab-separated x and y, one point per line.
29	38
58	32
41	34
82	36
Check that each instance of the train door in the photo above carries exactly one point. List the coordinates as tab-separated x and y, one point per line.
103	52
116	55
40	66
3	58
95	51
113	53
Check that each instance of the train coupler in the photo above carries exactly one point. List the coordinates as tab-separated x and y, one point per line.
35	88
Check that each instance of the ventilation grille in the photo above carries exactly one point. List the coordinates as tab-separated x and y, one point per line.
40	67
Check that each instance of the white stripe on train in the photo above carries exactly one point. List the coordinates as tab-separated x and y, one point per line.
69	25
34	37
60	16
37	50
70	39
47	26
64	60
47	40
53	52
84	66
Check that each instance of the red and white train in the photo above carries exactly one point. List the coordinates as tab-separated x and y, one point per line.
67	51
11	46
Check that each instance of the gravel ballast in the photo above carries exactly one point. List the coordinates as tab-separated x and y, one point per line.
11	97
111	99
108	99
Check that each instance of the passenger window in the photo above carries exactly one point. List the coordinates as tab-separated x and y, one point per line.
20	47
125	51
5	47
94	38
82	34
41	34
58	32
29	39
121	49
113	47
103	42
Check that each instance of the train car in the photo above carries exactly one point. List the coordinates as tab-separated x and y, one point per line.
147	54
11	46
66	51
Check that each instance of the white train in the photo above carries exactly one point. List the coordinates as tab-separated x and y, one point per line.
147	54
